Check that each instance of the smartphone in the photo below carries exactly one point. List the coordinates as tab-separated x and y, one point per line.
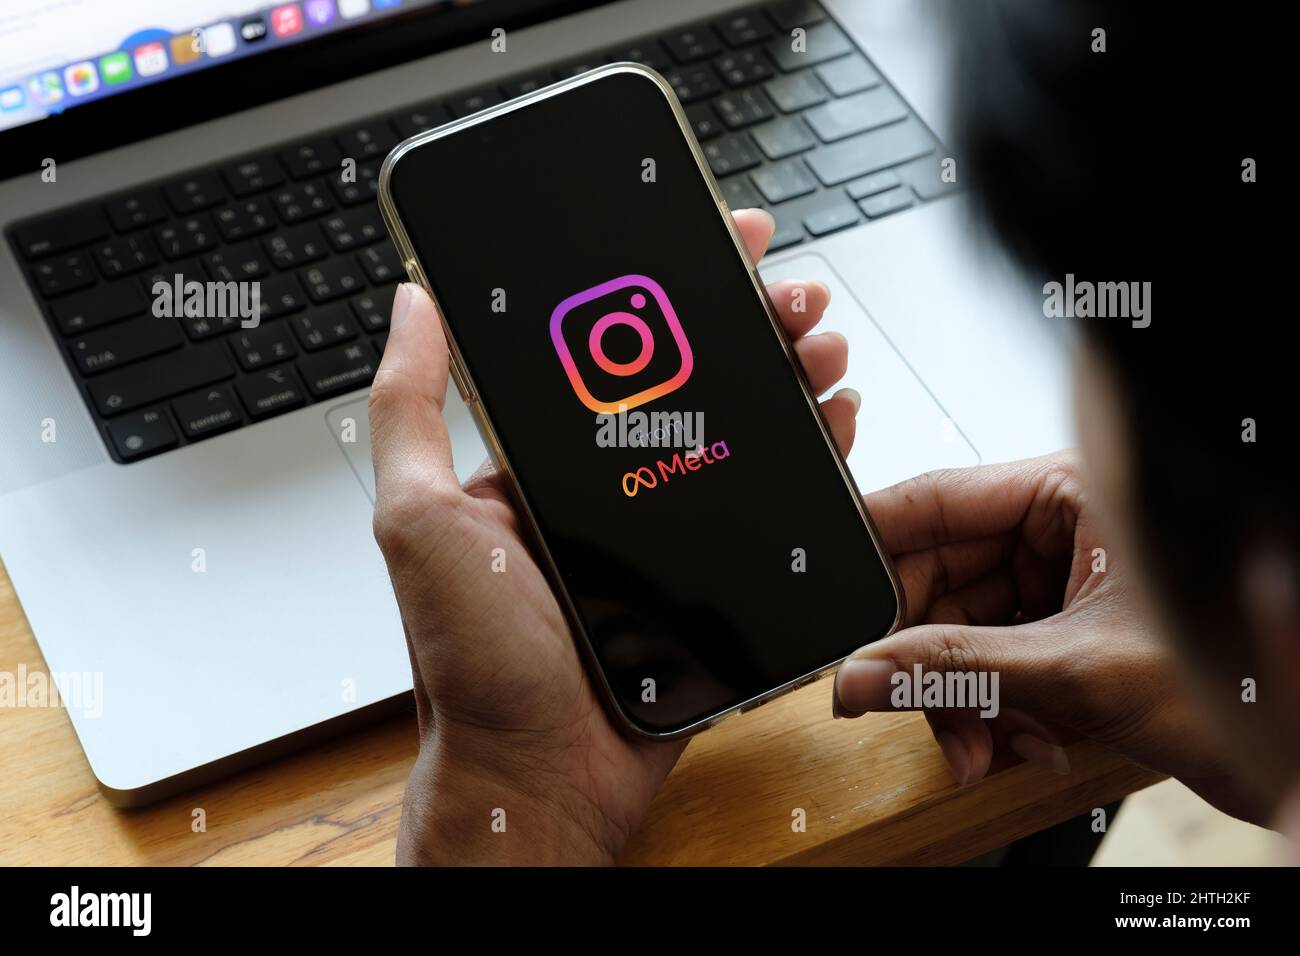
629	375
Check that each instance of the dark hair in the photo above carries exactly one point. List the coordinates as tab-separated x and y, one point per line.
1127	165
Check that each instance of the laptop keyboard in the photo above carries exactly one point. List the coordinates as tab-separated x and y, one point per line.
817	137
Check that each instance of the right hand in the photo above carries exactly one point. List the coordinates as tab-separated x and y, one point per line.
996	563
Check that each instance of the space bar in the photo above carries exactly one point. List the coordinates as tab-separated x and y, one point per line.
149	381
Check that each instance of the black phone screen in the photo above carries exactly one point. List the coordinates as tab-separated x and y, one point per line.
694	511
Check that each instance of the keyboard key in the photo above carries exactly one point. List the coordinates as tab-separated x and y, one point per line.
744	27
354	187
63	274
870	152
651	53
281	295
207	326
472	102
828	212
59	232
731	154
372	141
373	309
693	83
356	227
796	13
523	85
160	377
270	392
379	342
739	193
268	344
416	119
339	370
856	114
238	263
248	217
848	74
870	185
296	247
311	158
704	122
324	327
136	210
795	92
125	342
193	193
207	412
382	263
743	68
119	257
785	180
789	231
823	41
692	43
783	137
571	68
187	269
184	238
884	203
252	175
89	310
924	175
301	201
329	280
142	434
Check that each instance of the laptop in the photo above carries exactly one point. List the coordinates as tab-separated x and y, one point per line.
185	502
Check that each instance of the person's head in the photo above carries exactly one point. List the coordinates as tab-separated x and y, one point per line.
1121	157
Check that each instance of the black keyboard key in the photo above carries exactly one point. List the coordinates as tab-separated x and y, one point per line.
119	257
704	122
352	187
416	119
324	327
870	185
523	85
238	263
209	324
693	83
332	279
142	434
189	270
822	42
373	309
185	237
795	92
739	193
89	310
379	342
301	201
651	53
744	108
475	100
354	228
253	175
731	154
382	263
136	210
789	231
372	141
270	392
827	212
125	342
281	295
925	176
572	68
193	193
743	27
882	204
311	158
339	370
848	74
785	180
297	247
207	412
856	114
268	344
692	43
248	217
160	377
743	68
63	274
783	137
59	232
796	13
870	152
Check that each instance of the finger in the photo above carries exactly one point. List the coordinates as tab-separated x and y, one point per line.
409	441
928	576
824	357
963	503
966	742
756	227
799	303
841	412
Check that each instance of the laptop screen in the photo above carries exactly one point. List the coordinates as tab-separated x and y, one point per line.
56	55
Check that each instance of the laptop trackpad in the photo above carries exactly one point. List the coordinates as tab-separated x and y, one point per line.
350	425
902	430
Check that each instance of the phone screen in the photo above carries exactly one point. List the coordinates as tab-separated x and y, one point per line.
691	504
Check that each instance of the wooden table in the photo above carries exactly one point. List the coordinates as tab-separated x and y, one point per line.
875	791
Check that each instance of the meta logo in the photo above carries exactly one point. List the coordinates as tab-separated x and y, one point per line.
646	478
621	344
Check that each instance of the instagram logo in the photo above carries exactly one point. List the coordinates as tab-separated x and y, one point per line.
631	316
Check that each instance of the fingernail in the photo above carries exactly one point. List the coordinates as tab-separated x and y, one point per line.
851	396
1041	753
862	685
770	218
954	751
401	305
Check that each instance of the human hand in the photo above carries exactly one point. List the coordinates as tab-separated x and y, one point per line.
508	718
